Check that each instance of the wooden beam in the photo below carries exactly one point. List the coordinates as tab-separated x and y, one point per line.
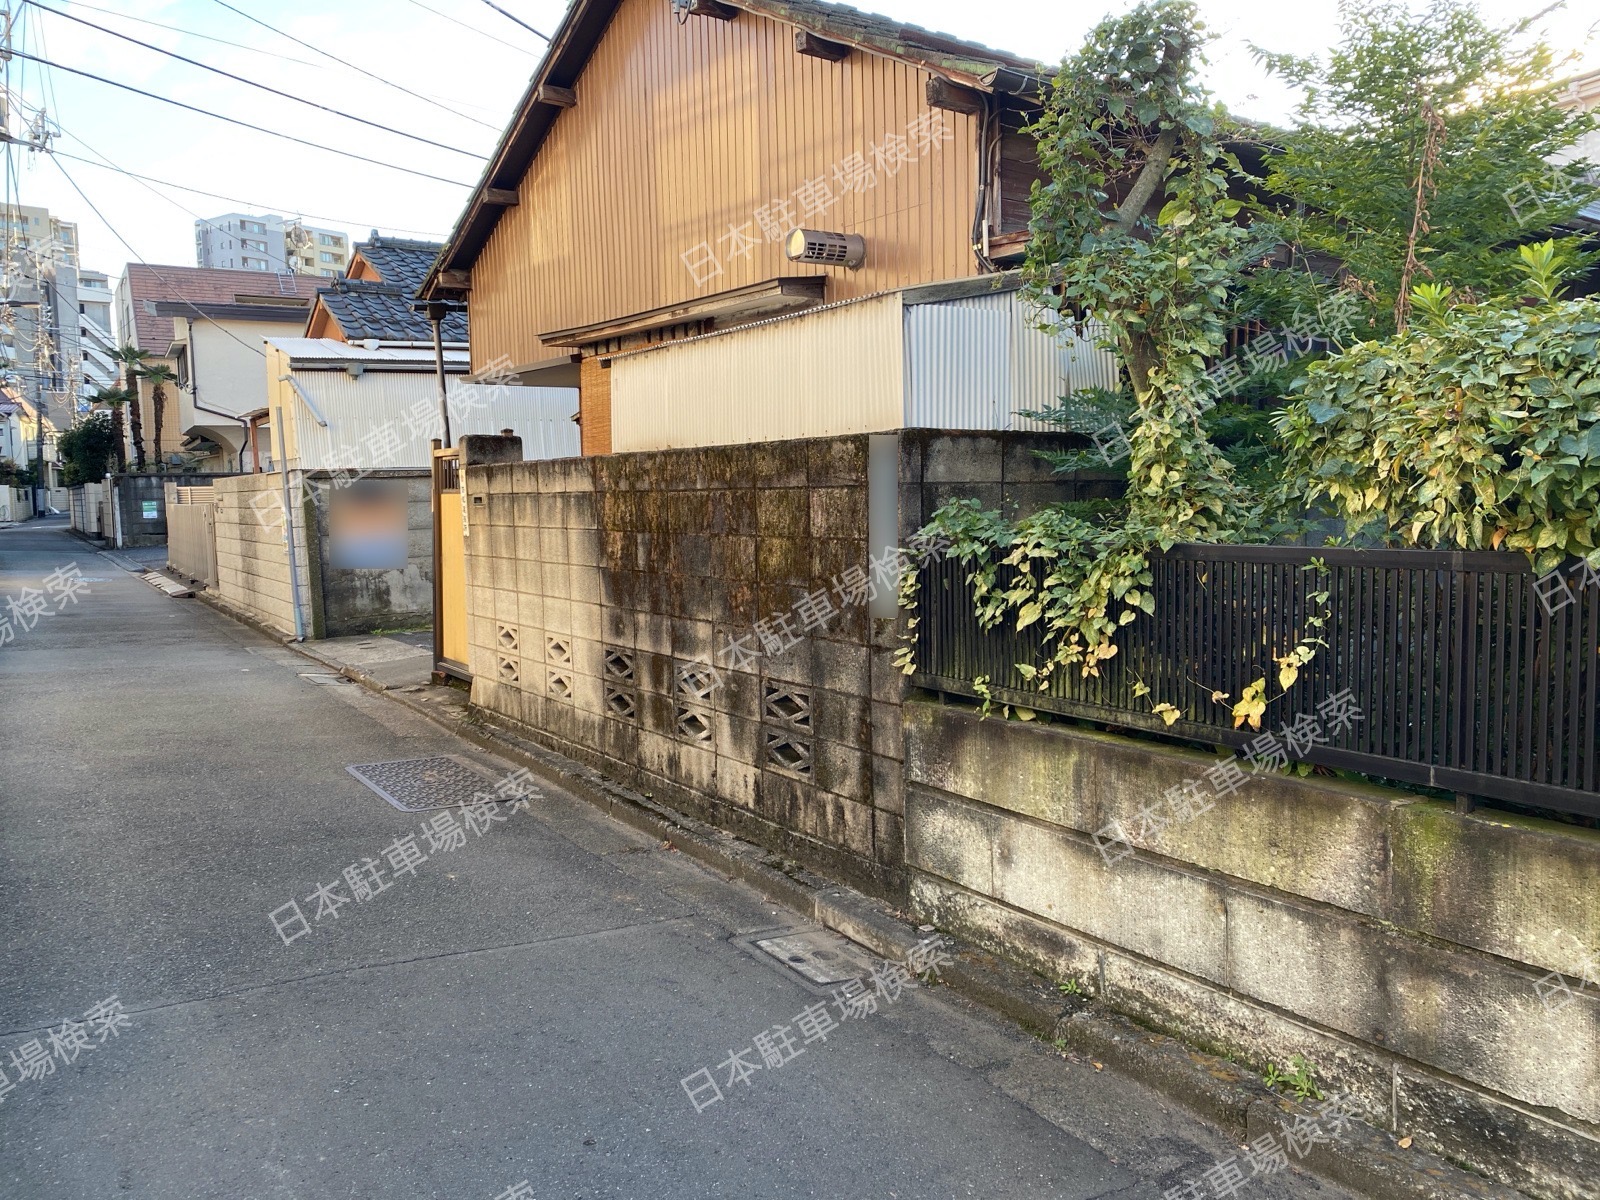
549	93
944	94
812	46
500	197
457	281
710	8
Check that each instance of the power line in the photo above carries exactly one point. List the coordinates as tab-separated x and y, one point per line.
165	281
235	120
288	267
513	17
253	205
252	83
191	33
288	58
480	32
352	66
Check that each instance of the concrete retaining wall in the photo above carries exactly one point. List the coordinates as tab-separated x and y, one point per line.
253	558
359	600
1406	950
141	518
593	583
252	553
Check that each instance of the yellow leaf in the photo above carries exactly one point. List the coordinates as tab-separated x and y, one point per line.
1252	705
1166	712
1288	672
1218	697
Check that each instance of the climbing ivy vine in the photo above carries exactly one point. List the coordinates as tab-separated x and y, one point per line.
1133	228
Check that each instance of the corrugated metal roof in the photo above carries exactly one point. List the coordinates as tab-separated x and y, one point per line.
312	350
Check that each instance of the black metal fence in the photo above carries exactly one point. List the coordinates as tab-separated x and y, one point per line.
1468	672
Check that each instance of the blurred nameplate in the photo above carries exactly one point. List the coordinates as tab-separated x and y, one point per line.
367	525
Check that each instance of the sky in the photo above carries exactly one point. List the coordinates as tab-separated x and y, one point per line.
463	56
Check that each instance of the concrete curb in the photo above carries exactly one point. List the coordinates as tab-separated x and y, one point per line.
1365	1160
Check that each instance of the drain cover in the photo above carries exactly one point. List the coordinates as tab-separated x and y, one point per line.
820	956
314	677
417	784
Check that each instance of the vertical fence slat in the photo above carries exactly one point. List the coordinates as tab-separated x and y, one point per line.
1453	661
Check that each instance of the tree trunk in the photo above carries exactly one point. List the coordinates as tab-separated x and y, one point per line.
160	397
118	427
136	421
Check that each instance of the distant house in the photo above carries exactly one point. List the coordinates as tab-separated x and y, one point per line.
763	219
207	325
376	299
360	391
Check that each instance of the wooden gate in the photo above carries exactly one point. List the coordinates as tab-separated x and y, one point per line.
449	568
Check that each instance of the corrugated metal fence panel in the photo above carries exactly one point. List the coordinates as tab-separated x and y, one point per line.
835	371
375	420
976	363
958	365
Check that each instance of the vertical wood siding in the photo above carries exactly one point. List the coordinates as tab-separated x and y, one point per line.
682	131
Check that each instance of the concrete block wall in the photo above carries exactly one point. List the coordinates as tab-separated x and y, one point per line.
252	556
347	601
595	584
1406	950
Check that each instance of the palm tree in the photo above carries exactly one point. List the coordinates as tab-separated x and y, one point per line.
132	358
159	374
115	398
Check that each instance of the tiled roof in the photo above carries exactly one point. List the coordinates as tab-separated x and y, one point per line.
909	43
365	309
400	263
199	285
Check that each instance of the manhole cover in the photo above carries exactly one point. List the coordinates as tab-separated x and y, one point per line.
820	956
417	784
323	679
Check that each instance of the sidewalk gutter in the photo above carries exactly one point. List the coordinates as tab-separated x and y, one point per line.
1365	1160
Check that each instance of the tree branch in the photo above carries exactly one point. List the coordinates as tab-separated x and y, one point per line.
1150	177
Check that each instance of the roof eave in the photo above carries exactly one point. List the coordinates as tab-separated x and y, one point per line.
562	65
569	51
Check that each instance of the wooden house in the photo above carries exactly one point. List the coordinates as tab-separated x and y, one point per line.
648	192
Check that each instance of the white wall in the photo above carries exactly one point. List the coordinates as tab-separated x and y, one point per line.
373	419
820	374
870	366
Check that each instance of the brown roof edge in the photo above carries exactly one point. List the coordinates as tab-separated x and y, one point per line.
965	63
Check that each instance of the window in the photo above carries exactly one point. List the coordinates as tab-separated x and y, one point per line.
328	258
325	271
328	239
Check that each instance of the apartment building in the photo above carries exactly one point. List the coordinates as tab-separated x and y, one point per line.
41	353
269	242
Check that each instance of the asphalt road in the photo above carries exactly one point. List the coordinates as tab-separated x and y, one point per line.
522	1007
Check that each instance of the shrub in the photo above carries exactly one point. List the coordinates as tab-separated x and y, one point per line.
1477	430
